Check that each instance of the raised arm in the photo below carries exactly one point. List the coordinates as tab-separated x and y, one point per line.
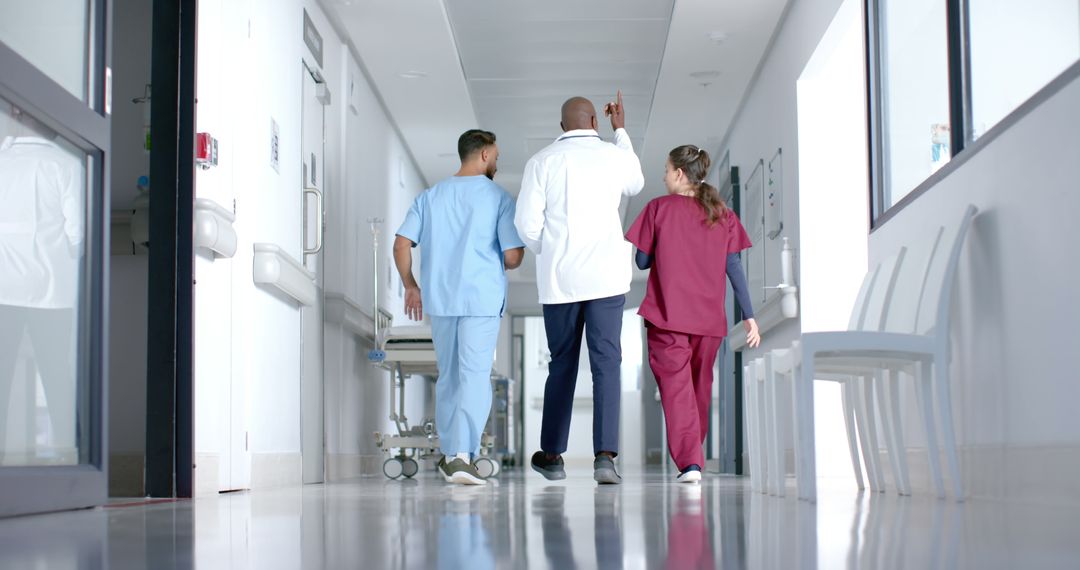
634	179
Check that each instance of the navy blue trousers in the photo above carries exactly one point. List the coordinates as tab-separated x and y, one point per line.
601	321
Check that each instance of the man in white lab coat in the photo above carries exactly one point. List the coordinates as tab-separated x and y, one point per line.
568	215
42	190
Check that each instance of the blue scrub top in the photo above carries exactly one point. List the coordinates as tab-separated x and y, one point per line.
462	225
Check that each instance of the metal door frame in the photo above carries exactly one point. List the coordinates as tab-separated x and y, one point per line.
85	124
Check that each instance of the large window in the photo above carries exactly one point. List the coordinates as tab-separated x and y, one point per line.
53	35
42	239
944	72
914	94
1017	47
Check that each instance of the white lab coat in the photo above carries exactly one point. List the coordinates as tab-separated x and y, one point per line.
568	215
41	223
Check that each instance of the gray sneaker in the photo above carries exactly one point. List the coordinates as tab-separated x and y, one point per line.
551	469
460	472
604	470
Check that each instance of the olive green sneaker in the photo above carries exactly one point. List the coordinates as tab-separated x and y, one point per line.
460	472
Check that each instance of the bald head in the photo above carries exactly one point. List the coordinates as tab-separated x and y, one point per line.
578	113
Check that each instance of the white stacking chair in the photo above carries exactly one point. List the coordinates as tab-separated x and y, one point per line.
915	339
855	383
756	414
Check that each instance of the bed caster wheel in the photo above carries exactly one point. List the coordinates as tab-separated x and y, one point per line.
486	467
393	468
409	467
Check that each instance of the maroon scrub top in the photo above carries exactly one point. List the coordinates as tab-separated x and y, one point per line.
688	280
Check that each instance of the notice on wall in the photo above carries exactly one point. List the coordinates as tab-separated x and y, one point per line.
313	39
274	146
774	196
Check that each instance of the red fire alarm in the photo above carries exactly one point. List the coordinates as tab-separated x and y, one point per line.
205	150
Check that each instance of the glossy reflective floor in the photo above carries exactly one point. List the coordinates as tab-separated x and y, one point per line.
524	521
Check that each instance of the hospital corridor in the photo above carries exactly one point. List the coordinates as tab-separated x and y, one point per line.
486	284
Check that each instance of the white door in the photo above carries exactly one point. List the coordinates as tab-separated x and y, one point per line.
312	429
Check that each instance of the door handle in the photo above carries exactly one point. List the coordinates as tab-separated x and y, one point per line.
318	221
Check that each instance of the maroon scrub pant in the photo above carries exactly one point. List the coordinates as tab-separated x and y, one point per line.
683	366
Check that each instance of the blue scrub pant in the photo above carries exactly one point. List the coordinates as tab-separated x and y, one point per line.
601	321
464	349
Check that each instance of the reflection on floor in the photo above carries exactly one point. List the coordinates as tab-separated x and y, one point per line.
523	521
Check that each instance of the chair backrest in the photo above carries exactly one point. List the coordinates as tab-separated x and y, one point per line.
859	309
877	304
901	311
936	297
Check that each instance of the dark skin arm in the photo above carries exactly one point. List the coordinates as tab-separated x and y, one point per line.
616	112
512	258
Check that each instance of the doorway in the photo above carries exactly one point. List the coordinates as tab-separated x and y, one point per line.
313	449
833	205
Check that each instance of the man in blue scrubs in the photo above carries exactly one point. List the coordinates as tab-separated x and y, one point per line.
464	226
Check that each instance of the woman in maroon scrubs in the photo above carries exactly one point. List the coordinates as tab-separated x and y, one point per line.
692	242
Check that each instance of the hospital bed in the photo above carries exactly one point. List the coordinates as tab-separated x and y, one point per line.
407	351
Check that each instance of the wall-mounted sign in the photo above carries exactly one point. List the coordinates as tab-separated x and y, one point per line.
313	39
275	145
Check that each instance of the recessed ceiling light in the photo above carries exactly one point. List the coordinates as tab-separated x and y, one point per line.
413	74
717	37
705	74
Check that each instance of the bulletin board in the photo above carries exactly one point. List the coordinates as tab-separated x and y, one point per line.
774	196
753	219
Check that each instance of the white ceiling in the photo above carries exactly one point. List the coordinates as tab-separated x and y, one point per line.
507	67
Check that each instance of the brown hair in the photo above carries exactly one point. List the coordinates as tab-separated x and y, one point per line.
694	162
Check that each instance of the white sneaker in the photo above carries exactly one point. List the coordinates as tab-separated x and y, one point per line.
689	476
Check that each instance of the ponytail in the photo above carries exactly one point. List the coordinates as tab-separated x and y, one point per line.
694	162
709	198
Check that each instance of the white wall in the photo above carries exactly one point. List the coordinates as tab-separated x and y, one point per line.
1014	315
250	72
377	180
768	121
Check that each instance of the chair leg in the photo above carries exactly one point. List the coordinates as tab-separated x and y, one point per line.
796	429
778	471
923	391
864	419
872	449
849	425
769	407
940	374
804	395
762	429
750	391
891	391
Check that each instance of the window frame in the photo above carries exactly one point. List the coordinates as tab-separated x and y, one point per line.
963	143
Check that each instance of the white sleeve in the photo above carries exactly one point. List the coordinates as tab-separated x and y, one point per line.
531	205
635	179
72	190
